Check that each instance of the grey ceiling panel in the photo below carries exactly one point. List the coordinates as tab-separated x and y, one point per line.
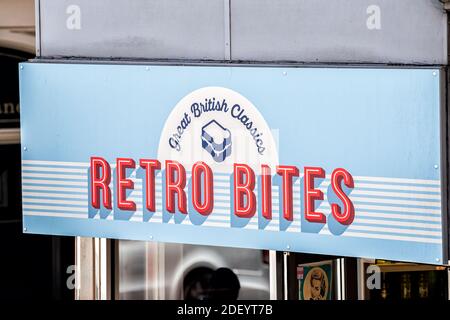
377	31
163	29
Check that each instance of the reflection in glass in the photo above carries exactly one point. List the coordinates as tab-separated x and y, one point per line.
149	270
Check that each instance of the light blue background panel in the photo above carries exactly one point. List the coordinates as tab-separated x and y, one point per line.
382	125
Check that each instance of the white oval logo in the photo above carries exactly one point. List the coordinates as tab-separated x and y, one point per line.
218	126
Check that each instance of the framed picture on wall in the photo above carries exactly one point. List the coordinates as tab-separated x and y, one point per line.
315	280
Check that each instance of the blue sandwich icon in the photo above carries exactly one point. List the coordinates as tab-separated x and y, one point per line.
216	140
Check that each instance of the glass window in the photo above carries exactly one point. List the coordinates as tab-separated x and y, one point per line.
404	281
149	270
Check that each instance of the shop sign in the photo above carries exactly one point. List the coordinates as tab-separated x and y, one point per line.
329	161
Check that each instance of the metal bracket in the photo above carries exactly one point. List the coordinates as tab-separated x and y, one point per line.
227	29
37	5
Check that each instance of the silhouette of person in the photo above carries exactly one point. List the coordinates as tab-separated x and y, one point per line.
225	285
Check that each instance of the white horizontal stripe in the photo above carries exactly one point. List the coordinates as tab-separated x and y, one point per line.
398	223
398	202
136	193
395	187
221	211
55	182
396	194
222	202
397	180
384	236
53	176
140	202
52	208
218	218
219	177
135	199
54	214
222	206
155	216
398	209
394	230
56	163
222	184
60	189
389	180
50	169
53	201
397	216
222	192
223	198
54	195
387	208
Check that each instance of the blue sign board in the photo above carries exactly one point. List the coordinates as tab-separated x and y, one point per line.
340	161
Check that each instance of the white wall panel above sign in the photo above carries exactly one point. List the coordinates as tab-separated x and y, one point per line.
375	31
162	29
372	31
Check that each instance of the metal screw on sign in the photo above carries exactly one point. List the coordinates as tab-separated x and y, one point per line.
436	166
25	148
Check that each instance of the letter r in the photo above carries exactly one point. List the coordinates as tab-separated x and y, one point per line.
100	180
